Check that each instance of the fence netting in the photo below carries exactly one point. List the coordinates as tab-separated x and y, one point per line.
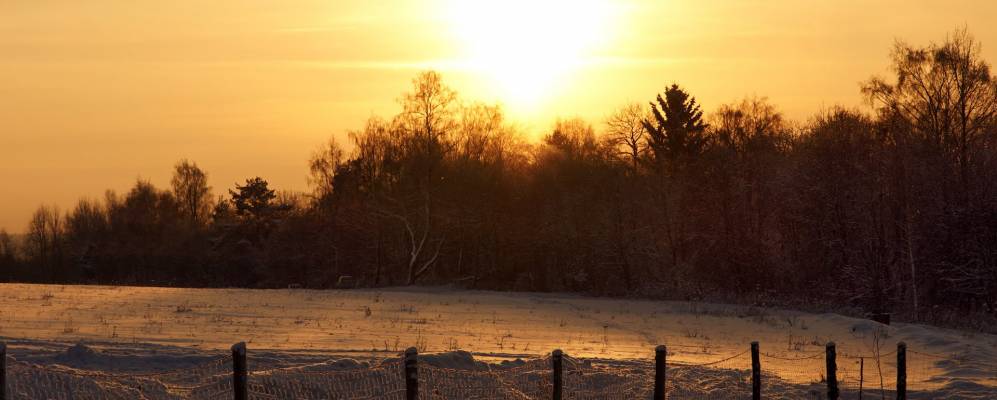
519	379
458	375
871	374
724	377
797	374
333	380
208	380
591	379
867	374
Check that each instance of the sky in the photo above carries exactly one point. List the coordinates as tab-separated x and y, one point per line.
96	94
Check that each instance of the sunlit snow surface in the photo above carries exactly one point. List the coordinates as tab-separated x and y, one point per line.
156	329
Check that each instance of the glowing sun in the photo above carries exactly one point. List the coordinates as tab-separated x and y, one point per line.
526	48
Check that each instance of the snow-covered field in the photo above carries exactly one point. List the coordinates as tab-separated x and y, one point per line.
144	329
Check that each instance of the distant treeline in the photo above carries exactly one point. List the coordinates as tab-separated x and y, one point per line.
890	211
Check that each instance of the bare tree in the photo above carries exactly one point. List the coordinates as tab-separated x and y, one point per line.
428	120
738	126
87	221
418	228
626	134
190	187
8	256
478	126
45	238
944	91
428	117
7	250
322	167
946	97
403	165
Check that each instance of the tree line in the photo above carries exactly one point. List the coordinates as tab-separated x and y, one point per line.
889	210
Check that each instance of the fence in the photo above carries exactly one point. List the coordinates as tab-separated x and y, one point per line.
824	375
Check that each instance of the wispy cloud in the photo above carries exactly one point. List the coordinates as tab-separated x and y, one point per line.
441	64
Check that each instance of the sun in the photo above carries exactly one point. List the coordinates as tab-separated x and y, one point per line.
525	49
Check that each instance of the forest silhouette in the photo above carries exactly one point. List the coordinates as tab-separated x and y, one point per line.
889	211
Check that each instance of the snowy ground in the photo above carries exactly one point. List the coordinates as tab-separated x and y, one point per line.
142	329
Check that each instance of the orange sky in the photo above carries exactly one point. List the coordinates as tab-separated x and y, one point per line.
96	93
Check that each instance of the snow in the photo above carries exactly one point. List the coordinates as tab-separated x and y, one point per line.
145	329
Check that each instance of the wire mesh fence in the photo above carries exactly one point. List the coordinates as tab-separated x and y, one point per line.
523	380
871	375
457	375
606	379
724	378
209	380
382	381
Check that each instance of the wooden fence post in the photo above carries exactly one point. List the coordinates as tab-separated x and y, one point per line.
660	354
901	371
411	373
240	379
832	372
756	373
3	371
861	375
557	358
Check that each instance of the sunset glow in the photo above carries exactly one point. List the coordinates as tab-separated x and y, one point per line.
498	199
527	49
125	88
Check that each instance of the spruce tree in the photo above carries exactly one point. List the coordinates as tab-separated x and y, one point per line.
677	130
